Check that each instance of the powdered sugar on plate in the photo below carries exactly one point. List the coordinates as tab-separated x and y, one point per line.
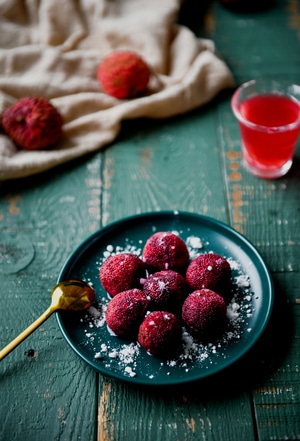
122	356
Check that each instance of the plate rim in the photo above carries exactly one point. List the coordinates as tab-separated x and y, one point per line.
102	231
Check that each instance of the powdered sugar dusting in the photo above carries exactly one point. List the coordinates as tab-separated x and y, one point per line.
125	357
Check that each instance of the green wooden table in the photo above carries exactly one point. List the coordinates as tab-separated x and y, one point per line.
189	163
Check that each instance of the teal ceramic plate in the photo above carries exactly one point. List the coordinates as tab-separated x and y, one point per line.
248	311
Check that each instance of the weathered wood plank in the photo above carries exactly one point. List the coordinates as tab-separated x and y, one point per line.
190	163
277	398
268	212
42	380
165	165
260	44
145	171
204	410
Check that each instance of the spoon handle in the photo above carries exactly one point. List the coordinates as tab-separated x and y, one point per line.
12	345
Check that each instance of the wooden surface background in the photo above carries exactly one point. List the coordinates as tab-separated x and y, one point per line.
190	163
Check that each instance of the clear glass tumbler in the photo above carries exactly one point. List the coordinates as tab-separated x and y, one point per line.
268	112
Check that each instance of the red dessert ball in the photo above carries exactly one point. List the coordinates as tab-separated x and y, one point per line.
166	290
160	334
125	312
208	271
121	272
204	314
165	251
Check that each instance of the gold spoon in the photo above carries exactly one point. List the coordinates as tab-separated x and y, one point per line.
71	295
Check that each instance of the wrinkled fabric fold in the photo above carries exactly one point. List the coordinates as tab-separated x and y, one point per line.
52	49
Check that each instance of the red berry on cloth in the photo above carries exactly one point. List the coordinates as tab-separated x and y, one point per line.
166	290
123	74
204	314
125	312
33	123
165	251
210	271
121	272
160	334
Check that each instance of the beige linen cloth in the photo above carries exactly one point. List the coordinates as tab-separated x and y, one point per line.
51	48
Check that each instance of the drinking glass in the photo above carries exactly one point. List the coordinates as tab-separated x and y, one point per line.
268	113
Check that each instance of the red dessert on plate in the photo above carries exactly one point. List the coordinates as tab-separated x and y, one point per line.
160	334
165	251
125	312
204	314
121	272
210	271
166	290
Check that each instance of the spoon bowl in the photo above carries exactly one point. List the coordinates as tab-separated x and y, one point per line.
72	295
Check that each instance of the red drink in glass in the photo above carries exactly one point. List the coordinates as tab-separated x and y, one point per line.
269	122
